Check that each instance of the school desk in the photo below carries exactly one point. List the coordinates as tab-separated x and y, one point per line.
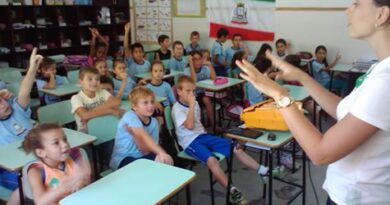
262	143
143	182
209	86
7	69
62	90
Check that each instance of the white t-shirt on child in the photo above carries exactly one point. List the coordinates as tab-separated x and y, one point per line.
179	116
363	176
82	100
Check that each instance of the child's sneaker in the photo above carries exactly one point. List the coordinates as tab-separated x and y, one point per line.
287	161
278	171
236	196
263	171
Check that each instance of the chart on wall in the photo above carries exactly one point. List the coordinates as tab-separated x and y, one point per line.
152	18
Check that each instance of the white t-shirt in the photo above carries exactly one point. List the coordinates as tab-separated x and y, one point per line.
82	100
179	116
363	176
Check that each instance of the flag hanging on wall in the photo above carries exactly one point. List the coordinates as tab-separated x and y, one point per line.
253	19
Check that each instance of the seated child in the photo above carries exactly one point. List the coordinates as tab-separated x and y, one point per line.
160	88
122	83
218	56
294	60
99	47
92	101
198	71
177	62
239	55
137	135
47	79
196	142
59	170
261	52
106	83
101	66
15	121
282	48
237	45
321	71
134	56
254	95
163	53
194	45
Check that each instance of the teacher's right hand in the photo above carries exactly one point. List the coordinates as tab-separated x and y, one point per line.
286	71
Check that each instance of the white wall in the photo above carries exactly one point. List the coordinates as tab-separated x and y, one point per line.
304	29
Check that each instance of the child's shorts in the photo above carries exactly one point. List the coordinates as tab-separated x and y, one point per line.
8	179
205	144
129	160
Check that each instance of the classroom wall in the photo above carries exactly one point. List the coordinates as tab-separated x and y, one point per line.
305	29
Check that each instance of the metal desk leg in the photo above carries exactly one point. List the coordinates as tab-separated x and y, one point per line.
270	153
230	168
214	112
303	178
331	80
21	194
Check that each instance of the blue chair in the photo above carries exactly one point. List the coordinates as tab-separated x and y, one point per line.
104	129
73	76
60	112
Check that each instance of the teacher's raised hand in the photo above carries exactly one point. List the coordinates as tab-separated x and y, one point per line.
286	71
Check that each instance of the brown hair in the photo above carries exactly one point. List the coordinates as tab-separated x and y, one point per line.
116	62
97	61
87	69
33	139
195	33
177	43
184	79
294	60
156	62
46	63
140	92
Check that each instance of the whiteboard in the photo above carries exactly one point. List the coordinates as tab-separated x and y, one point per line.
314	3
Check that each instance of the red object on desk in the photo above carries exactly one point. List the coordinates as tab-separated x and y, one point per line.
220	81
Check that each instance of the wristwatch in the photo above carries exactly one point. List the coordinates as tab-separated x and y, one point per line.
284	101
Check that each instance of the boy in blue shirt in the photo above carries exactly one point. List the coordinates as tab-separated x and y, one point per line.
194	45
134	56
218	56
177	62
138	132
48	79
202	70
237	45
15	120
122	82
196	142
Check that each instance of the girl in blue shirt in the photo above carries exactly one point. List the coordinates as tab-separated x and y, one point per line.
321	69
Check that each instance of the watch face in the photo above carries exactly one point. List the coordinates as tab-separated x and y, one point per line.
284	101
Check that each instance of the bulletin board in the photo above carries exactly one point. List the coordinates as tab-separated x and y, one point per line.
189	8
152	18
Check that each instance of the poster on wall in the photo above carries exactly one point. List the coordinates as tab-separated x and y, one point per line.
152	18
253	19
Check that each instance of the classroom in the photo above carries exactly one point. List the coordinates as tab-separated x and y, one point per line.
173	102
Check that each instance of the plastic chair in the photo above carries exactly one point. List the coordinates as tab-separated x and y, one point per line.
149	56
182	154
15	87
26	185
60	112
104	129
165	63
73	76
12	76
4	193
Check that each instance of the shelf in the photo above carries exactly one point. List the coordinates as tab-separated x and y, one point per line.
71	14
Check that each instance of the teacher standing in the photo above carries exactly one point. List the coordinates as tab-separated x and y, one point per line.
357	147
